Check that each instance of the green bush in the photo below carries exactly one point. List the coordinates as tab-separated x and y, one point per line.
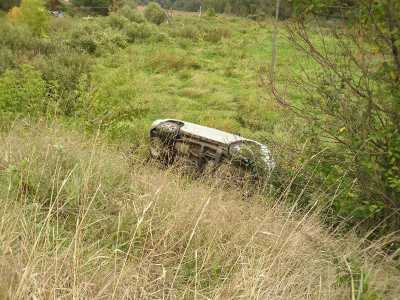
22	91
187	31
93	6
19	39
83	37
63	71
138	32
116	21
97	38
132	15
7	59
33	13
210	12
154	13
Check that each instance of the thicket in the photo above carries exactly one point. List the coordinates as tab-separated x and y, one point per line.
349	104
351	110
154	13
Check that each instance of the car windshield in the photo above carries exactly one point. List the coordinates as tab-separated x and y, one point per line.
256	153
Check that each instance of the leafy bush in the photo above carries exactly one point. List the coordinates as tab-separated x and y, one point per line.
22	91
187	31
154	13
97	37
32	13
63	71
132	15
7	59
210	12
94	6
138	32
116	21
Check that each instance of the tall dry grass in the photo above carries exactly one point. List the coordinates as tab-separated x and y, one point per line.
78	220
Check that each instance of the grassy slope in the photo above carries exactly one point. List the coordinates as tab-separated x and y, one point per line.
78	219
216	84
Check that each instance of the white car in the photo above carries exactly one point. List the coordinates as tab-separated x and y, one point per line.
171	139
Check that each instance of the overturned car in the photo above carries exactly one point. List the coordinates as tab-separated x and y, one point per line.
202	146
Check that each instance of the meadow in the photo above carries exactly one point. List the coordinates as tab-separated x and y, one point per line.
84	215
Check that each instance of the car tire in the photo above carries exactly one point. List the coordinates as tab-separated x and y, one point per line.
162	142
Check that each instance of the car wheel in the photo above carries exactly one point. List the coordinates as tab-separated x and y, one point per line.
156	147
168	132
162	142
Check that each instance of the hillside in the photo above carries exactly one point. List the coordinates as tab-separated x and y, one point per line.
85	214
78	219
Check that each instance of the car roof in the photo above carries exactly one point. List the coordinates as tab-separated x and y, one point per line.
208	133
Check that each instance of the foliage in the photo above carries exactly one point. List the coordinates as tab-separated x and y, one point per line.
9	4
32	13
93	6
14	14
22	91
210	12
139	32
255	8
131	14
352	113
155	14
86	210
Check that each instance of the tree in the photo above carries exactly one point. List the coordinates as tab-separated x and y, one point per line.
95	6
8	4
351	105
32	13
154	13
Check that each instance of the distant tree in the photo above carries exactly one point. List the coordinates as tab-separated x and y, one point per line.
32	13
8	4
228	8
351	106
94	6
154	13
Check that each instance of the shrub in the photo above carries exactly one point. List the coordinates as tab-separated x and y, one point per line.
7	59
211	12
82	38
216	34
155	14
188	31
32	13
94	6
22	91
63	71
132	15
117	22
138	32
94	38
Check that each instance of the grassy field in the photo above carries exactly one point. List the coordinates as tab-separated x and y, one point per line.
83	216
81	220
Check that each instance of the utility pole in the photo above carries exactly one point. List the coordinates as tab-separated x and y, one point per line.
274	41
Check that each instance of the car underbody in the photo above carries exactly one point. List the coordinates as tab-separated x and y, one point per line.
171	140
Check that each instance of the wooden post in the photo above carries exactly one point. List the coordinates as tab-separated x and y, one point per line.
274	41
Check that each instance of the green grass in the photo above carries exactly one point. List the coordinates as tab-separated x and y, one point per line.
81	216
